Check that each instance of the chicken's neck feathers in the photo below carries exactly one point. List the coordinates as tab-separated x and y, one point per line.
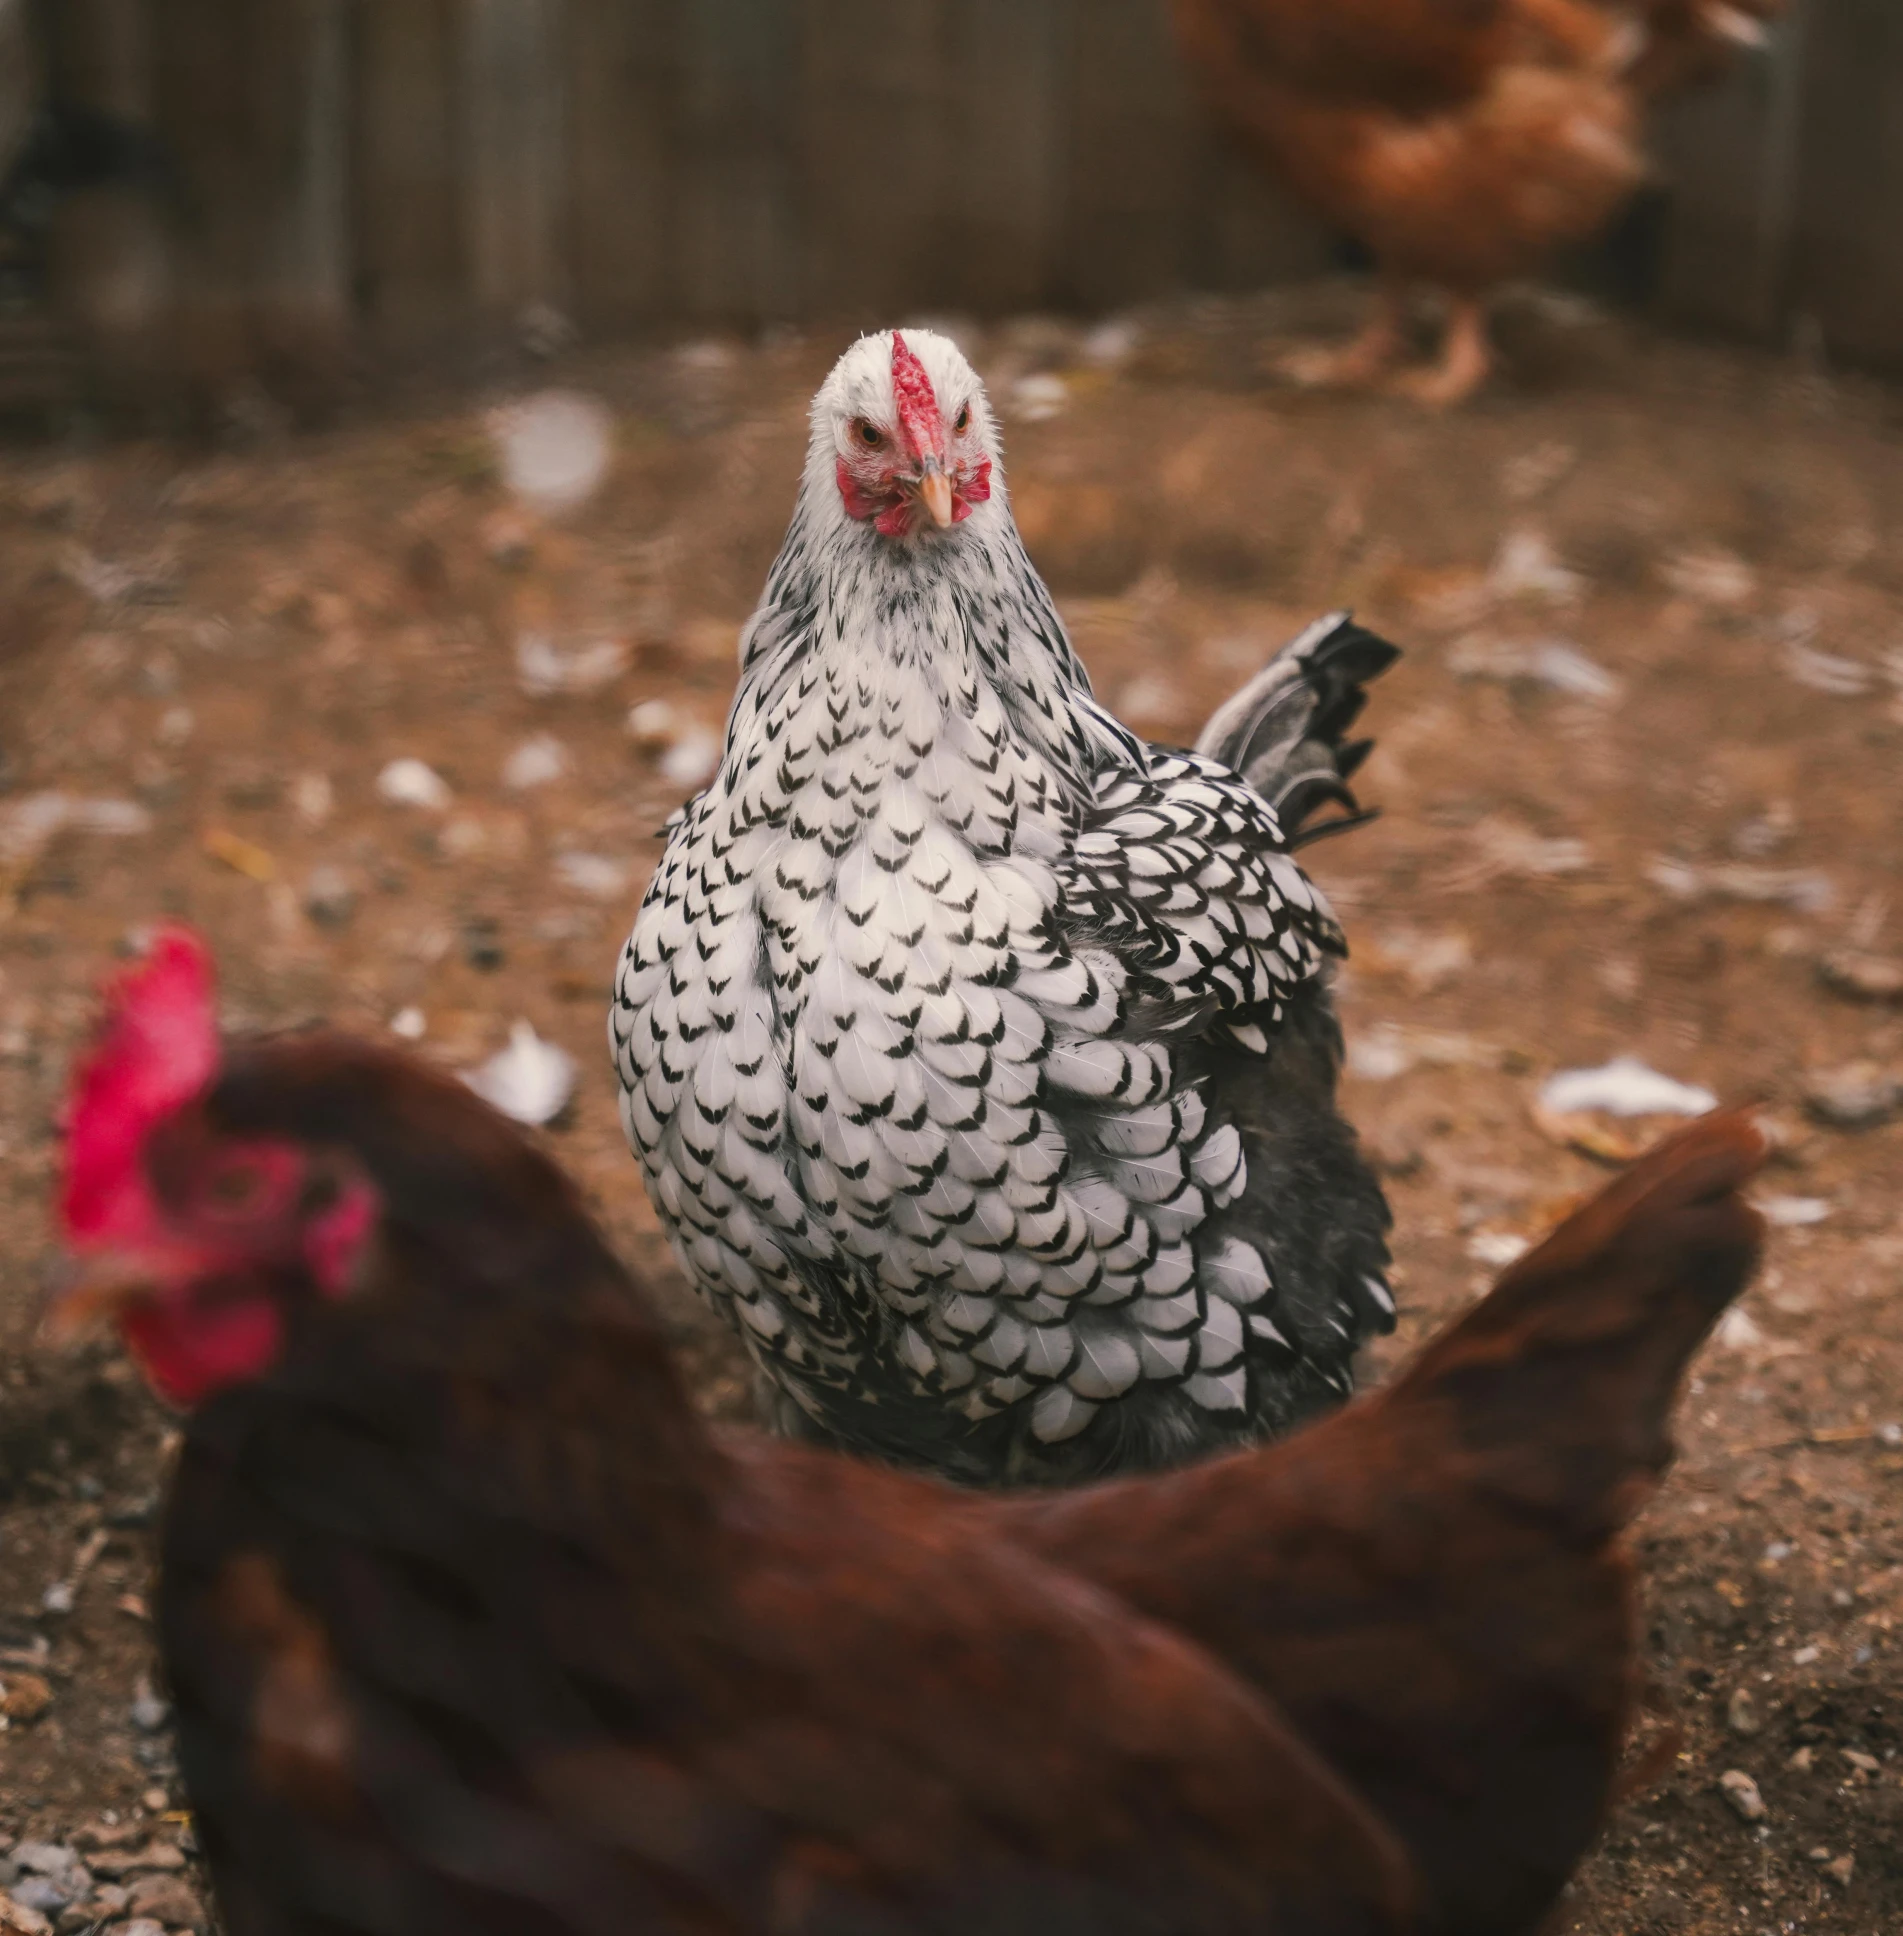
951	626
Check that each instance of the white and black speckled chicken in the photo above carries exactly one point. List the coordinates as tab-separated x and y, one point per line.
980	1057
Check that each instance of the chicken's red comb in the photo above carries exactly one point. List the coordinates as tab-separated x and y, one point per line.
919	414
157	1049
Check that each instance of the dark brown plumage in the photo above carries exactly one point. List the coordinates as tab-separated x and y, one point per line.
472	1626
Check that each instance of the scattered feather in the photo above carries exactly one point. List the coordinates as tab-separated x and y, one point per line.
1426	960
1535	472
26	826
692	758
1863	977
1036	399
410	783
1737	1330
1826	672
1625	1086
592	874
554	449
313	798
1112	343
1497	1248
1547	662
107	583
654	723
1710	577
530	1081
544	668
1506	848
1794	1213
1802	890
1391	1049
1860	1095
1527	566
536	762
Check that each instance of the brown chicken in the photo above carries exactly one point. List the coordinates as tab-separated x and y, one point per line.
472	1625
1463	141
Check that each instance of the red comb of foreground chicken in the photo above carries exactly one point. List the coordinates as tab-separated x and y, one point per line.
158	1051
252	1202
473	1627
1432	1584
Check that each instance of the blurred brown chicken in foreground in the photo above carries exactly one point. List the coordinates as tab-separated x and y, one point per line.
1463	141
473	1626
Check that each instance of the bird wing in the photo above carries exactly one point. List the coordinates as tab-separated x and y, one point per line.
1183	874
1430	1582
938	1733
1183	866
427	1683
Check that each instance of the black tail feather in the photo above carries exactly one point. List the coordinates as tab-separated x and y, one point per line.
1284	732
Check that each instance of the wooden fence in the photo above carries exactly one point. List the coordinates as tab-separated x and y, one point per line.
402	172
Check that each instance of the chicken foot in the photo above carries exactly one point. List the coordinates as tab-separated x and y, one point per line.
1363	363
1368	361
1465	364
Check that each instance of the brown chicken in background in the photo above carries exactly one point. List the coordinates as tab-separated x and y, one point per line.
1462	141
472	1625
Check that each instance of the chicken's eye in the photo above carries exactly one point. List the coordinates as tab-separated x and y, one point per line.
962	422
236	1187
868	434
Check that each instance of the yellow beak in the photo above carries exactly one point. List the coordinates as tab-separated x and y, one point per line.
935	493
90	1292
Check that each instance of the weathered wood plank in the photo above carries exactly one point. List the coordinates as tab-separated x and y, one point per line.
1726	161
410	246
621	70
103	53
1847	268
108	263
310	240
218	122
1242	230
747	160
1130	155
737	246
514	153
1001	187
874	155
20	81
240	96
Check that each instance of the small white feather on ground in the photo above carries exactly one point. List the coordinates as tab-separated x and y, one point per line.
554	449
1624	1087
530	1081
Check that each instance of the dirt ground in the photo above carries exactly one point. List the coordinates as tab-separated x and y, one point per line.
1642	781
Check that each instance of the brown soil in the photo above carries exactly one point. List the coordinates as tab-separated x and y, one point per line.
203	634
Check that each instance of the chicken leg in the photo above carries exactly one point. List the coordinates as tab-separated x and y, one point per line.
1363	363
1465	364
